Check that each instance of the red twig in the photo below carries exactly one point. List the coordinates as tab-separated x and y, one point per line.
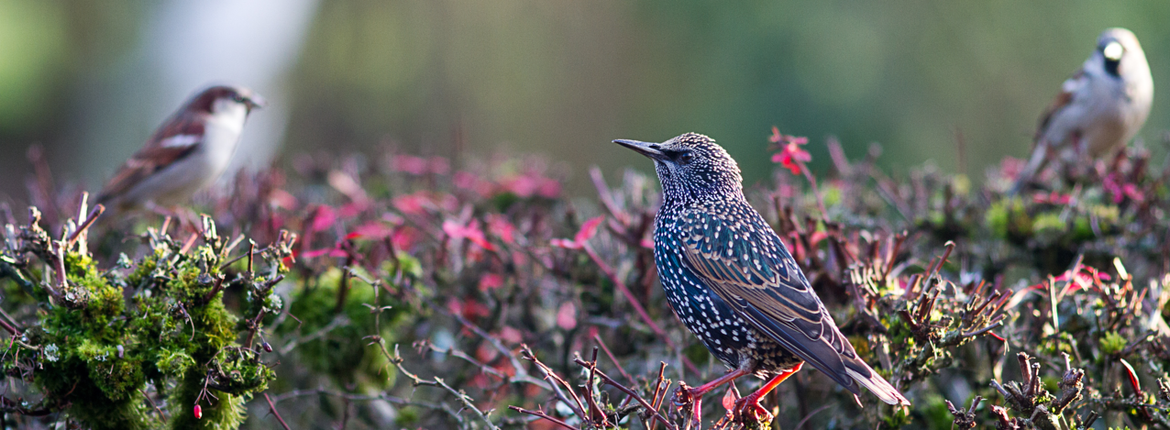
621	286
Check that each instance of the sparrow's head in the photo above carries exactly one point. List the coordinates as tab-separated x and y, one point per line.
1119	55
691	166
221	99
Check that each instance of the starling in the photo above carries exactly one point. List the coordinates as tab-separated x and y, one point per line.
734	284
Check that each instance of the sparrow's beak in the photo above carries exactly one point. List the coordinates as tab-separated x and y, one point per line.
255	102
648	149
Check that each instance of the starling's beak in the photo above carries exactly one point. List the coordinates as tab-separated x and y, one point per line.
648	149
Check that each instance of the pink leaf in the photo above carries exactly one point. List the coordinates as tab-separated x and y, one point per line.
588	229
323	217
511	335
411	204
471	232
491	281
372	230
315	253
564	243
501	228
409	164
567	316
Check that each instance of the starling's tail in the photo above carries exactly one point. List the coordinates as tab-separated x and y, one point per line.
879	387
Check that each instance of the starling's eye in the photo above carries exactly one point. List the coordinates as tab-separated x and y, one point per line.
686	158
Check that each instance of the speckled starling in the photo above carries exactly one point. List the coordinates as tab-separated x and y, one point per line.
734	284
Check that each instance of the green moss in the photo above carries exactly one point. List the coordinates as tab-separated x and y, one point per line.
1048	227
832	196
225	412
1112	343
99	350
1007	219
343	352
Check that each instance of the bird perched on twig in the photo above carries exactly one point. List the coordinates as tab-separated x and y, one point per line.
734	284
188	152
1100	108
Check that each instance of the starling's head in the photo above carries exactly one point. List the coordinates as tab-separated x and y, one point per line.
691	166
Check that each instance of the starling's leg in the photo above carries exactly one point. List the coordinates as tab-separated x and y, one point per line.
684	395
752	400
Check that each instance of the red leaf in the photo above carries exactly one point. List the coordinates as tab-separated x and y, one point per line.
1133	379
791	156
730	397
588	230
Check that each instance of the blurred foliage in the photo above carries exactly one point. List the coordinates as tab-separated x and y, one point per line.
420	294
456	77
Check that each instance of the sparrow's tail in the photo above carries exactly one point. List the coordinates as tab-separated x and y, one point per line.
1035	163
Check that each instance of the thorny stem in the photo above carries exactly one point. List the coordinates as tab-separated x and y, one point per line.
358	397
595	411
556	382
642	401
618	365
812	181
659	393
621	286
541	415
438	382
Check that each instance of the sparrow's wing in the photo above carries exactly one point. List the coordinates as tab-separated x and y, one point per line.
1040	145
1062	100
750	269
177	138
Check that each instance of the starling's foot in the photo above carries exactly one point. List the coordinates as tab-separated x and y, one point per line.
748	409
685	397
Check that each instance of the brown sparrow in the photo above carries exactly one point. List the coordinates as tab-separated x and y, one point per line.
187	153
1099	108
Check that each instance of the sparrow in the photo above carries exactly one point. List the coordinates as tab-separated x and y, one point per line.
188	152
1100	108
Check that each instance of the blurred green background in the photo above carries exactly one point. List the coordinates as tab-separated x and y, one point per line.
89	80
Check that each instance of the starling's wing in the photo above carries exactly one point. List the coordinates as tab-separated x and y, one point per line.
177	138
740	258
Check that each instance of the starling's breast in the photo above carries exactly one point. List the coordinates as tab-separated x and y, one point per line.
726	334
